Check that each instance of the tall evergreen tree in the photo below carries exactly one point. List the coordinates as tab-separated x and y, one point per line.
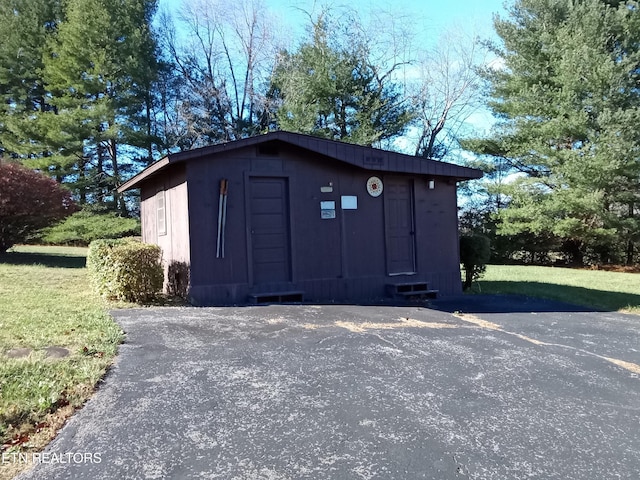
99	70
568	103
25	27
330	88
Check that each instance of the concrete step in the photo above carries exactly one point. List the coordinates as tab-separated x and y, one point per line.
411	289
292	296
419	293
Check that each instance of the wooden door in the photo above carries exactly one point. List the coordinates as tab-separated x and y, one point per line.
270	234
399	226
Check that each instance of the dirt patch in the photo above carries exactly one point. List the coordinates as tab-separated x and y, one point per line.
19	352
632	367
617	268
477	321
360	327
53	352
56	352
401	323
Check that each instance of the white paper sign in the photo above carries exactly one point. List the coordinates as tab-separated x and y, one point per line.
349	202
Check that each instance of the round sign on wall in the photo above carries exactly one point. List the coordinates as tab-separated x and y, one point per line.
374	186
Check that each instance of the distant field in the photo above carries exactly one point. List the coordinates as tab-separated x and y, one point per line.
594	288
46	301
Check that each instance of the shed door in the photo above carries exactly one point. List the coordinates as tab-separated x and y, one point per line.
399	226
270	247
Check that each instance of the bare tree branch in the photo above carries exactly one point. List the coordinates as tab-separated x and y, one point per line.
445	91
224	59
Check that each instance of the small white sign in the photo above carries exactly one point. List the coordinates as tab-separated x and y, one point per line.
349	202
328	209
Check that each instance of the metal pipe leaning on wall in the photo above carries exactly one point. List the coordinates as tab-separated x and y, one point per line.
222	217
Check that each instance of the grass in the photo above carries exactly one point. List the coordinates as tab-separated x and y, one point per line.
602	290
45	300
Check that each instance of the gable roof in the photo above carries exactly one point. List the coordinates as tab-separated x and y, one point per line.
364	157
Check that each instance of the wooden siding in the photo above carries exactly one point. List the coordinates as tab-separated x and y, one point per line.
175	241
335	259
340	255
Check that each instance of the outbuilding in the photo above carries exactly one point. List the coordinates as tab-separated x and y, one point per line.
290	217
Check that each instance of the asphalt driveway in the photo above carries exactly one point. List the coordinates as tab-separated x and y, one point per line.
482	388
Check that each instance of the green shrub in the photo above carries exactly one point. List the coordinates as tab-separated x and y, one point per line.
99	265
125	269
475	251
85	226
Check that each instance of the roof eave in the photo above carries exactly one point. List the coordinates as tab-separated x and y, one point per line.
429	166
134	182
473	175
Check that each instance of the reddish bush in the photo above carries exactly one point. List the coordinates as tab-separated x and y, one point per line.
29	201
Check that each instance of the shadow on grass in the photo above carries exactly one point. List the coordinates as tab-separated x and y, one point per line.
508	297
47	260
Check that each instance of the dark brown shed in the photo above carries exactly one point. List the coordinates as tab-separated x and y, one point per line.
303	218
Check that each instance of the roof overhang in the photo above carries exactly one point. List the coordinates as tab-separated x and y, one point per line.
364	157
134	182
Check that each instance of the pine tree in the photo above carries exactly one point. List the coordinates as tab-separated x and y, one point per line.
99	70
25	27
330	88
568	105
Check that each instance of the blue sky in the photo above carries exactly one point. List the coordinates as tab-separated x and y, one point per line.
427	19
430	16
435	14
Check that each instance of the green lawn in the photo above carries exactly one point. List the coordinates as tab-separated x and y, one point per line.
594	288
45	300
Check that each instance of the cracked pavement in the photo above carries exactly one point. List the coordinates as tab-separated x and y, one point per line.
483	387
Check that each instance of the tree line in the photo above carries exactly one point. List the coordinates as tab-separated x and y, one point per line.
93	90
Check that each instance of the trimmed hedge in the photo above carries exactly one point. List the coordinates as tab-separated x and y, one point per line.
85	226
125	269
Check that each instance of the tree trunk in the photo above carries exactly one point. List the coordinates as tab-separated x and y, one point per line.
118	199
82	183
574	249
148	109
100	188
630	246
468	277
